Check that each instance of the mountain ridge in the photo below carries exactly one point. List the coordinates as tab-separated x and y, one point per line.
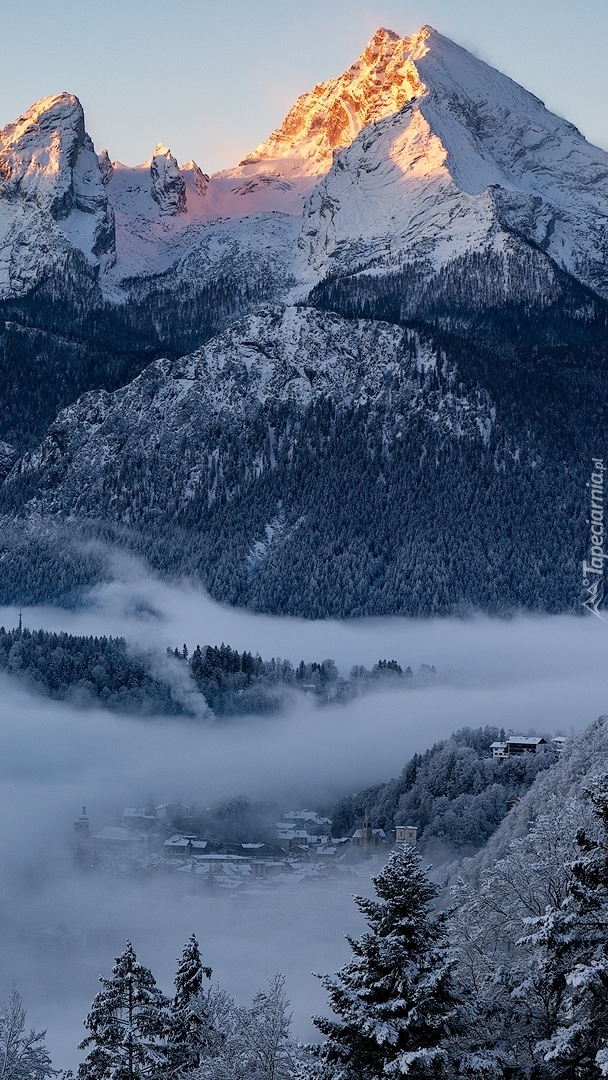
450	215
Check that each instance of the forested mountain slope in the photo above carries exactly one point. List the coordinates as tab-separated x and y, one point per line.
309	464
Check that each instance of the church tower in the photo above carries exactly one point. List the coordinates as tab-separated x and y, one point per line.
83	836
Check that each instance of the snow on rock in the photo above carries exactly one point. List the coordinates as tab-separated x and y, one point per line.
418	154
293	356
168	185
328	118
105	166
38	153
469	156
51	189
195	177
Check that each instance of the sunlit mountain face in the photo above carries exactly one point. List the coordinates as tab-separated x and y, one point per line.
376	347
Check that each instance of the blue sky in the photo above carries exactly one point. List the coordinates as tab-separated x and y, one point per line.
211	78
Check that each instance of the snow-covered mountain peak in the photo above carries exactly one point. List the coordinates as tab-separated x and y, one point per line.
39	151
471	159
52	195
379	83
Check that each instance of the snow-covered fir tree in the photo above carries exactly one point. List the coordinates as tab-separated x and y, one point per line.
396	999
571	952
128	1024
23	1055
189	1024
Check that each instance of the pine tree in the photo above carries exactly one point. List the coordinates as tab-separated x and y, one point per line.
396	998
128	1021
188	1025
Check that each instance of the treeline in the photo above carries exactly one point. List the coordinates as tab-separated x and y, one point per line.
519	296
511	982
456	793
104	671
238	683
86	671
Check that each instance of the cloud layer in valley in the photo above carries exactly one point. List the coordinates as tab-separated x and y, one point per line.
545	673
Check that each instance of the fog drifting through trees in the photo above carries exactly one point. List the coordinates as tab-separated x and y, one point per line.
543	673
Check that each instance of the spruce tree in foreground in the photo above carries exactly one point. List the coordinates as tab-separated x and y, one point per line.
128	1023
189	1026
396	999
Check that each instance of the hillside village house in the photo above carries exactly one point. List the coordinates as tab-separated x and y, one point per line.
406	834
517	745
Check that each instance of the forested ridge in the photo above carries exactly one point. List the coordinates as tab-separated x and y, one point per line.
234	682
105	671
456	794
359	509
86	670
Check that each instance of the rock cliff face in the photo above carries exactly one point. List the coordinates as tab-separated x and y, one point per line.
50	183
378	84
168	185
380	340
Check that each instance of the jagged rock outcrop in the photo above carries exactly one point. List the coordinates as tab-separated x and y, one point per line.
378	84
52	198
168	185
39	152
199	178
105	167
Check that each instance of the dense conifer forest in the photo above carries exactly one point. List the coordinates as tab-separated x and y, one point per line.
456	794
105	671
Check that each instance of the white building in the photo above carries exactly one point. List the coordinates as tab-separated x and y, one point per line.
518	744
406	835
499	749
182	847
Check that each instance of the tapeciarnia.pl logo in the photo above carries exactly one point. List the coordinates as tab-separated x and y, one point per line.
593	571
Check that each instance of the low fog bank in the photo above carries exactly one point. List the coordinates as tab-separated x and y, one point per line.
543	673
476	651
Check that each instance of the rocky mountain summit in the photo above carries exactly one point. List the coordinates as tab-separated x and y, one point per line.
380	82
53	204
393	309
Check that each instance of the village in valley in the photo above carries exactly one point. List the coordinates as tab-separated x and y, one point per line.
144	841
170	839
